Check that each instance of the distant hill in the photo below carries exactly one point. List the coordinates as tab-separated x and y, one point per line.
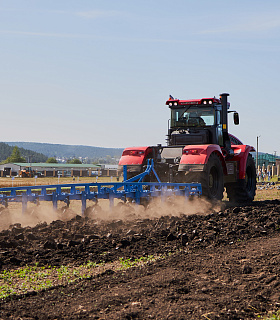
6	150
69	151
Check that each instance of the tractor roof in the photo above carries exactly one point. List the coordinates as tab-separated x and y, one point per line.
174	102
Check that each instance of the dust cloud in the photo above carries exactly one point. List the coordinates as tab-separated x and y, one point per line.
174	206
33	215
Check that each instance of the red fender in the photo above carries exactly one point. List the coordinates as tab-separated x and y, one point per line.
241	153
199	154
134	155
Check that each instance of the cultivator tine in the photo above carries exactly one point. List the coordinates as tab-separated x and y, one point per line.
67	201
6	202
54	200
24	202
111	200
84	202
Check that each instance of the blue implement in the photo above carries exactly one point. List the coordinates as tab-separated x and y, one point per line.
134	190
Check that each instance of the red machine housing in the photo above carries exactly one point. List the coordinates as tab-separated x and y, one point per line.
219	159
134	156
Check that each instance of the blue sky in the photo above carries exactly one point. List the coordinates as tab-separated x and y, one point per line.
99	72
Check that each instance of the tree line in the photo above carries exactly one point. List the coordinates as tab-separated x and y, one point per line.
69	151
16	154
13	154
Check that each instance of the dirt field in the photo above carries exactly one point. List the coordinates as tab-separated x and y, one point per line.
219	263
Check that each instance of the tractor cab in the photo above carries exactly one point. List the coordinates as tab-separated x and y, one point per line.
199	121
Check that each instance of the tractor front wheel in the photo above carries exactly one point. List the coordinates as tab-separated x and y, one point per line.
211	179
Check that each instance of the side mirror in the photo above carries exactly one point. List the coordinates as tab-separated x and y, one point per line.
236	118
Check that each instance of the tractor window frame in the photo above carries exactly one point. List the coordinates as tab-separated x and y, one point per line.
180	116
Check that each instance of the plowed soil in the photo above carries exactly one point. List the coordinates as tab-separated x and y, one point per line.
222	264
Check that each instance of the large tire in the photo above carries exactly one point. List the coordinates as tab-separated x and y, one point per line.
211	179
244	190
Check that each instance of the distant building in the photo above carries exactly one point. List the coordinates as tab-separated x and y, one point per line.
49	169
109	170
266	159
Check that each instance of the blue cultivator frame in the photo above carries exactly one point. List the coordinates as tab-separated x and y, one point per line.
133	189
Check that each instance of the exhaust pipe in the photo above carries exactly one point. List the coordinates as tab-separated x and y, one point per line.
226	140
223	97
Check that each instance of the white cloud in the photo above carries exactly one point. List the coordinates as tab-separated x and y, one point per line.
208	43
93	14
259	24
45	34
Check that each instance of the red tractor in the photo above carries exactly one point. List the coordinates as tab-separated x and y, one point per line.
200	149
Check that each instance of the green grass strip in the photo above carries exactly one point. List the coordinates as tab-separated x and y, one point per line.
28	279
275	316
129	263
34	278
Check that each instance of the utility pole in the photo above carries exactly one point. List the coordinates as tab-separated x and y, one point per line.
257	158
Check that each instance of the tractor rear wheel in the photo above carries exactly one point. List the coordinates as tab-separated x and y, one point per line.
244	190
